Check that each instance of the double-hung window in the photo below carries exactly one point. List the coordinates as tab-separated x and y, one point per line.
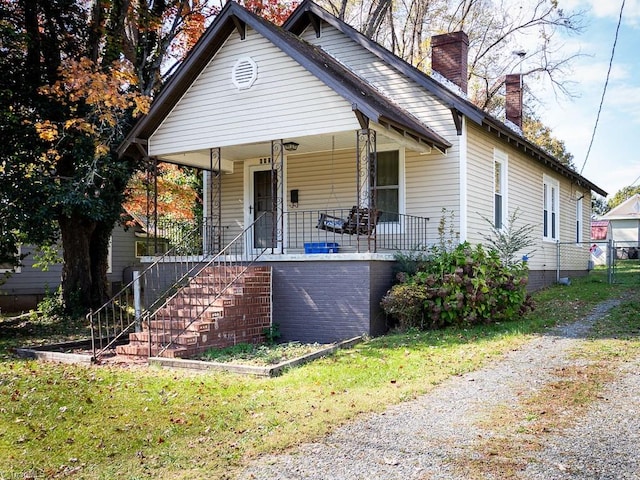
499	188
551	209
387	185
579	219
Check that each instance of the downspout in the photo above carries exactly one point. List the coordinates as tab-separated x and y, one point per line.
464	213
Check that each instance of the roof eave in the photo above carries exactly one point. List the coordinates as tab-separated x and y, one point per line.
300	19
539	155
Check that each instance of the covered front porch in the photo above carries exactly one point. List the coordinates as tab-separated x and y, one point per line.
335	194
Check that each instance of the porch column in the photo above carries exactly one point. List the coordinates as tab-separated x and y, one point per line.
277	196
366	176
212	223
151	213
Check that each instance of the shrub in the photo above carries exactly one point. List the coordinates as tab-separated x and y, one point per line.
462	286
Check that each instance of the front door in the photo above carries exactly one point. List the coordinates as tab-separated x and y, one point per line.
264	185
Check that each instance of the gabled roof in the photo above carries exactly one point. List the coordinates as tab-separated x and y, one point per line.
629	209
310	14
366	101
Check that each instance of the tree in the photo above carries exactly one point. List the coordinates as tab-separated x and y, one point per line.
81	71
24	181
97	106
496	31
79	74
622	195
178	193
535	131
276	11
599	205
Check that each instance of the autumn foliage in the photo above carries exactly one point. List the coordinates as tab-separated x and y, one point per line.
273	10
177	194
98	102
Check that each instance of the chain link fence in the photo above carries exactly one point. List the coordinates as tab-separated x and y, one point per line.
615	261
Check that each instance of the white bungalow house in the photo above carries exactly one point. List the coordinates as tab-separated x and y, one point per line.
624	227
326	154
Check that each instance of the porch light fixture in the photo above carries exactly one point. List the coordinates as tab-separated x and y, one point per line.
290	146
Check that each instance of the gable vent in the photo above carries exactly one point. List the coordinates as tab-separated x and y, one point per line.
244	73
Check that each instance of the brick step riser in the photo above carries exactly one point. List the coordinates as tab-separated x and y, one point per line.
179	325
172	312
157	337
143	351
204	342
235	270
177	321
196	299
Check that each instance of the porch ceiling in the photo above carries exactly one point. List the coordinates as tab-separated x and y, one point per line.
306	144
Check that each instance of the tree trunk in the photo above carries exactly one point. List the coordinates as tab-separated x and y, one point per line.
99	254
76	232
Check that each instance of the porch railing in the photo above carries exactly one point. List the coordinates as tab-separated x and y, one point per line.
393	232
198	237
158	282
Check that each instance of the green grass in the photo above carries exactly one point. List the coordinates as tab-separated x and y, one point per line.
267	354
627	272
140	422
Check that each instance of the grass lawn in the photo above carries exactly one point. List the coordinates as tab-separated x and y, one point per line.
144	422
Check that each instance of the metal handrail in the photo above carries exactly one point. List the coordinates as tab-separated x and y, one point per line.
236	257
117	316
159	281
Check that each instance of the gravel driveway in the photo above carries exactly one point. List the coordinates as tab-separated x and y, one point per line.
433	436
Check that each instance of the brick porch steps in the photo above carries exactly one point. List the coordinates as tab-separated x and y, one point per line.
240	315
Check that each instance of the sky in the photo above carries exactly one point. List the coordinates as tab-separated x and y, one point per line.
614	160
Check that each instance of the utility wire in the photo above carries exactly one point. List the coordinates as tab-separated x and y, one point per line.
604	91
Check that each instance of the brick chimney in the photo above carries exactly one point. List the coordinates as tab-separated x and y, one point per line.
513	101
449	57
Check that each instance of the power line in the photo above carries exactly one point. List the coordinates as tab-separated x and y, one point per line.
604	91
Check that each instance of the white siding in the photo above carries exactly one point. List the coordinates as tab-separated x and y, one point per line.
432	184
327	182
391	83
525	192
285	101
232	202
323	182
625	230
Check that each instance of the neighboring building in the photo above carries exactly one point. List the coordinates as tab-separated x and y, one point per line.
28	285
306	121
624	227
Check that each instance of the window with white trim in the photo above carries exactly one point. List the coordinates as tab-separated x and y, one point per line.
388	177
499	188
151	247
579	219
551	209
